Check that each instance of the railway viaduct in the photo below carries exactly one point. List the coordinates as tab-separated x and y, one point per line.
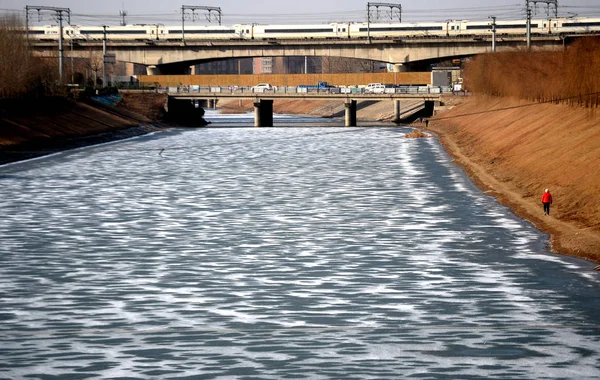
164	57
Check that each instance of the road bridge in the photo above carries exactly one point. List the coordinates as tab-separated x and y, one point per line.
170	57
263	100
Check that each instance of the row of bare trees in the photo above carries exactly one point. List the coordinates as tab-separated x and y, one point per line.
19	71
570	76
24	74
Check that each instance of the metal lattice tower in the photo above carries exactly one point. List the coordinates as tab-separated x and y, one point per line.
395	10
549	5
194	8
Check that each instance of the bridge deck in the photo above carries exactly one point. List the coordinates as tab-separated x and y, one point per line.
398	93
305	96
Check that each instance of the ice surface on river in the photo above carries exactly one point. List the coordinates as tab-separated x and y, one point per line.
273	253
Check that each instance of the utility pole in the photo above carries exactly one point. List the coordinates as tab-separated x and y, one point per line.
59	13
193	8
528	10
72	63
493	33
395	10
123	13
104	57
549	4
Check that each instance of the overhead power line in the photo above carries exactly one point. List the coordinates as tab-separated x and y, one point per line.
502	12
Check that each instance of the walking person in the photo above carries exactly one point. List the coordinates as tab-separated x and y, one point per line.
547	201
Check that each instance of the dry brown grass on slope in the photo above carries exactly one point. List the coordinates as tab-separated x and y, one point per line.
571	76
526	148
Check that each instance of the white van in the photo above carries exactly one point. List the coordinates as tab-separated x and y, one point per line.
262	87
375	88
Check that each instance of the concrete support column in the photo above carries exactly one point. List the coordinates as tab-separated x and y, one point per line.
400	68
263	113
257	121
152	70
397	111
350	113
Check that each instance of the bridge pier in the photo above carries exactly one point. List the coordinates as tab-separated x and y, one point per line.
152	70
350	113
263	113
400	68
397	111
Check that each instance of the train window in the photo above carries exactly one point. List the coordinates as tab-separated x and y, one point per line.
128	31
580	24
403	28
315	30
555	25
545	25
452	27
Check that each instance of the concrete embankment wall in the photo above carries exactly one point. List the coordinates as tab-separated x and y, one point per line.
33	127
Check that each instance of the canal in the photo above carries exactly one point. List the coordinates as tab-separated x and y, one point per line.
288	252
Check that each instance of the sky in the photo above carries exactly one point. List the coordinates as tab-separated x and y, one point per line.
107	12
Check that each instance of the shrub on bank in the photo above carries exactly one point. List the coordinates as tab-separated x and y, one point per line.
417	134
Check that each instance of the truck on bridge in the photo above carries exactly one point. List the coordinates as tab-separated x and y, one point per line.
321	86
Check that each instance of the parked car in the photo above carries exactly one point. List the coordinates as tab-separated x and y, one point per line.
261	87
375	88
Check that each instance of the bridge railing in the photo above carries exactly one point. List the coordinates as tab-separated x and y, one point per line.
192	89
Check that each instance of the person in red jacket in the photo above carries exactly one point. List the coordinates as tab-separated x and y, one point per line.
547	201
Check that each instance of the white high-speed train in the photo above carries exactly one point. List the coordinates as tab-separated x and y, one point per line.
147	32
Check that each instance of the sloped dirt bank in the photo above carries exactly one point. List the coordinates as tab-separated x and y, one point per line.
515	149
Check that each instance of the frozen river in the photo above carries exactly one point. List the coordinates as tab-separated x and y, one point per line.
299	253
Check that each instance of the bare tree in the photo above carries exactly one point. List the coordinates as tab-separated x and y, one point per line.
16	65
93	64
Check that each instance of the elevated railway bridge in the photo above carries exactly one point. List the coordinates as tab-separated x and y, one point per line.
409	54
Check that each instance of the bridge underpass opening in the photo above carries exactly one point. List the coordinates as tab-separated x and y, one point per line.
291	64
